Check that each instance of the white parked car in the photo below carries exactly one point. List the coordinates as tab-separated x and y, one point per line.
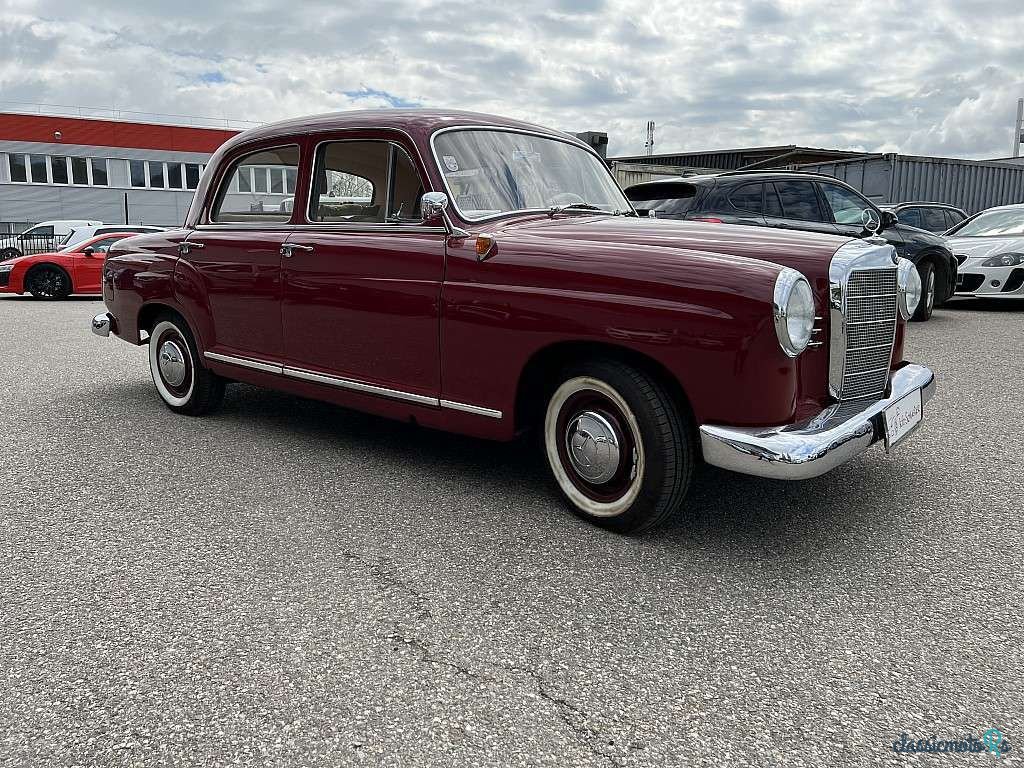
44	237
989	247
78	234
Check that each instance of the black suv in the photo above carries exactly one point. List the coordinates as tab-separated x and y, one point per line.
804	201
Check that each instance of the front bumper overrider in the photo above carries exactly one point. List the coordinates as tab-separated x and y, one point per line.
811	448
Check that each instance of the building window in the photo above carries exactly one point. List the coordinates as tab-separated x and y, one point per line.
191	175
174	175
137	173
79	171
290	179
19	167
38	166
259	181
276	181
245	179
59	170
99	171
156	174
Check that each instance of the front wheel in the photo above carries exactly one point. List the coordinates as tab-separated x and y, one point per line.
182	381
621	449
48	283
924	308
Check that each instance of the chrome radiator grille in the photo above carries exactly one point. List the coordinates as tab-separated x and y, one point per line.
871	311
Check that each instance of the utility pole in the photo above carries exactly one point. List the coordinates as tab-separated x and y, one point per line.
1018	128
649	145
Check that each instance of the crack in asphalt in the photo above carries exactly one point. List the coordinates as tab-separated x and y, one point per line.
568	712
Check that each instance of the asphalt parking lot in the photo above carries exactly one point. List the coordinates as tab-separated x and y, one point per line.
290	583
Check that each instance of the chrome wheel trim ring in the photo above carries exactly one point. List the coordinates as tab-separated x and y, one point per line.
552	440
157	340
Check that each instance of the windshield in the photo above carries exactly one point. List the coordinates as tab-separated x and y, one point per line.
993	224
491	172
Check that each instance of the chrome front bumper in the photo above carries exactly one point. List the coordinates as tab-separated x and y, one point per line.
103	324
812	448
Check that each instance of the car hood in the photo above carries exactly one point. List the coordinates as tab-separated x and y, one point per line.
983	247
807	252
914	234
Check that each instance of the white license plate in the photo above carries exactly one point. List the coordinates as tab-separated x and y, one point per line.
902	416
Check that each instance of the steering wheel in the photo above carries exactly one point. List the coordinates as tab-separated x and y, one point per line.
566	198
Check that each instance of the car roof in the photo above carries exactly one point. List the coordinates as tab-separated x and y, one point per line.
923	204
420	120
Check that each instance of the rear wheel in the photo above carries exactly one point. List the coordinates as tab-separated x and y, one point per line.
619	446
181	380
48	282
927	304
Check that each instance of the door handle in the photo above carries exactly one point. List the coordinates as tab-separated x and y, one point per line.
288	248
185	246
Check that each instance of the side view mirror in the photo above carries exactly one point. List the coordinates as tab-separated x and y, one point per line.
88	251
433	205
889	219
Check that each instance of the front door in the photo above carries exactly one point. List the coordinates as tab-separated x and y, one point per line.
235	258
89	267
362	276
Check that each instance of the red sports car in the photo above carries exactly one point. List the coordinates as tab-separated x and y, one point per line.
76	269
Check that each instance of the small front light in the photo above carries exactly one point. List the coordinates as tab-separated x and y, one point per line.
908	282
793	310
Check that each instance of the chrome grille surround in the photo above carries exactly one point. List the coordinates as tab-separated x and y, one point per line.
863	313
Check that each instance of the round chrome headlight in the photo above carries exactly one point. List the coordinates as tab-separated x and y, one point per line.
793	308
908	283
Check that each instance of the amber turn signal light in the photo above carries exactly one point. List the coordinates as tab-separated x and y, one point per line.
484	246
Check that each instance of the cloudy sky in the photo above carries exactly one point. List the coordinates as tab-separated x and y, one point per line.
918	76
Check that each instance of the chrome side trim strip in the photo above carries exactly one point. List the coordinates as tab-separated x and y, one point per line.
474	409
352	384
358	386
256	365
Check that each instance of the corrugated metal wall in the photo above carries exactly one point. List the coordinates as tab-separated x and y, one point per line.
889	179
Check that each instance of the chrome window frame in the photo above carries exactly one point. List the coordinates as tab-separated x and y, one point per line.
523	131
225	181
368	226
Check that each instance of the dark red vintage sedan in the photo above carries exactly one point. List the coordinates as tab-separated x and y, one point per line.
486	276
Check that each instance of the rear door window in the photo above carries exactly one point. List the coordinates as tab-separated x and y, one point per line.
255	201
772	202
934	219
747	198
799	200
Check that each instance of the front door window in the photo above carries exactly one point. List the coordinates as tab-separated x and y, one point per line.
846	205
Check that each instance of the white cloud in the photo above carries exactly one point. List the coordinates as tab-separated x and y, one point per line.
919	77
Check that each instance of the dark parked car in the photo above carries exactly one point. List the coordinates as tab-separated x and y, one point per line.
934	217
799	201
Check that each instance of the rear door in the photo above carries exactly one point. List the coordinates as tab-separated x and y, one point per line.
235	255
794	204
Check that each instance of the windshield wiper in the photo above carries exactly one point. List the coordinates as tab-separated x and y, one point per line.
572	207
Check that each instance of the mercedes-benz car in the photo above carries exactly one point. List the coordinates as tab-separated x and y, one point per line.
990	249
493	279
806	202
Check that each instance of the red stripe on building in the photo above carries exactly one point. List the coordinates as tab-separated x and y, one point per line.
111	133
